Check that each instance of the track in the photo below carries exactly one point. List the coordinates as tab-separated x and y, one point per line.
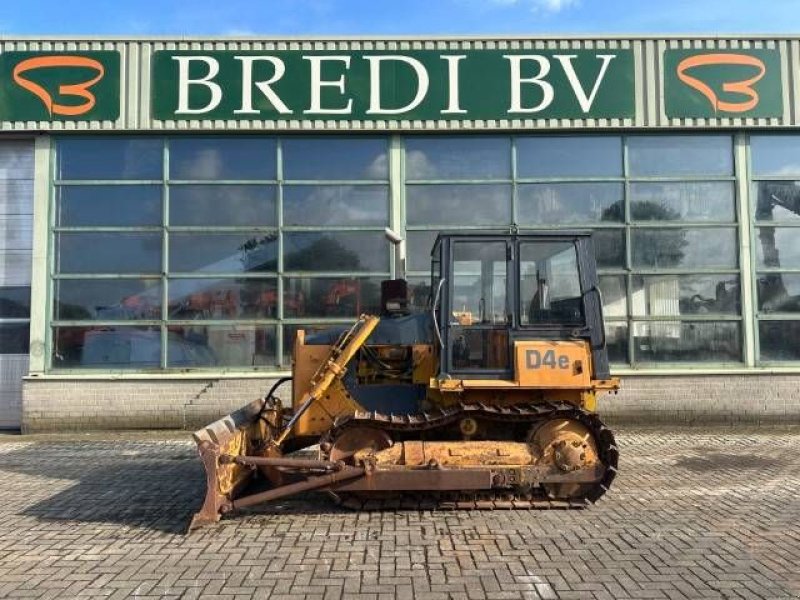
416	425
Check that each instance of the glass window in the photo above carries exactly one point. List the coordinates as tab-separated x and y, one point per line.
569	156
290	333
241	252
609	248
680	155
123	158
686	248
419	291
557	203
775	154
686	201
615	299
108	252
674	295
222	158
335	159
453	158
199	345
687	341
778	247
223	299
335	251
479	283
778	292
331	296
107	299
419	245
617	342
16	196
777	200
15	302
778	340
14	338
321	205
550	288
109	205
107	347
222	205
448	205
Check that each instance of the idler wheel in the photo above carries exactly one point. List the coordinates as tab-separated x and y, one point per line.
567	445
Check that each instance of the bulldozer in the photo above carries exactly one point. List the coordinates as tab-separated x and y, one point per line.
485	398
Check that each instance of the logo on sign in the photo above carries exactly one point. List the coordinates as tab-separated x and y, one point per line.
742	87
81	90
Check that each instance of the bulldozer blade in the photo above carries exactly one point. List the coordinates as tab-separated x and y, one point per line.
233	435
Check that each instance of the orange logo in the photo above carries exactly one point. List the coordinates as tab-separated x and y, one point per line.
743	87
79	90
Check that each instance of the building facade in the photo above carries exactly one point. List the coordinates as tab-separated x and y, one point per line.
174	210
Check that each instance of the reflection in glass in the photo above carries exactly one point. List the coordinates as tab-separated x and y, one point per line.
687	341
222	205
775	154
778	340
418	250
778	292
778	247
569	156
335	251
615	300
126	158
557	203
549	287
335	159
107	347
108	252
675	295
14	338
223	252
419	291
672	155
221	345
207	158
290	332
691	248
479	283
354	205
331	296
109	205
452	205
609	248
15	302
617	342
777	200
223	299
107	299
685	201
458	158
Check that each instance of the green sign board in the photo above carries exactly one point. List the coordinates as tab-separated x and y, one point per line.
59	86
722	83
393	85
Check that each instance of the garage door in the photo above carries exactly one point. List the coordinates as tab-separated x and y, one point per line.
16	220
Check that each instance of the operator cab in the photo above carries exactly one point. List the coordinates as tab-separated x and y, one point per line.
491	290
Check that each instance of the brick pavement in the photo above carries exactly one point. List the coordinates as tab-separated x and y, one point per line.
692	515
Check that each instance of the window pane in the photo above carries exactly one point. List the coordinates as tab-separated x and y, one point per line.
242	157
107	299
356	205
331	297
615	300
557	203
671	155
777	200
562	156
609	248
418	250
223	299
109	205
222	205
674	295
458	158
778	340
778	247
778	292
110	158
775	154
419	291
335	159
448	205
336	251
706	201
223	252
14	338
104	347
15	302
676	341
690	248
221	346
479	283
549	288
617	342
290	332
109	252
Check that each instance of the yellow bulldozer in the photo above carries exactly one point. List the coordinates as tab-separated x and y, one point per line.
486	398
